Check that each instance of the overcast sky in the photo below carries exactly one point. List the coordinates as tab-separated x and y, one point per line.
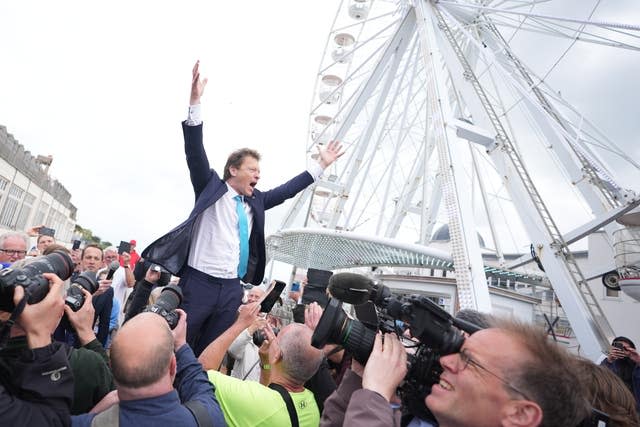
103	87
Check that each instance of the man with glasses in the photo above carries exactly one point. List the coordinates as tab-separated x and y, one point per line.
508	375
13	247
222	242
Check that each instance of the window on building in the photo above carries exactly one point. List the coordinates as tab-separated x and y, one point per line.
25	211
9	214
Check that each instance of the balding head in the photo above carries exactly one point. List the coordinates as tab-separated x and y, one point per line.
255	294
299	359
142	351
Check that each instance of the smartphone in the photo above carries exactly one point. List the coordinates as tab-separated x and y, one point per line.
76	245
272	295
124	247
618	345
45	231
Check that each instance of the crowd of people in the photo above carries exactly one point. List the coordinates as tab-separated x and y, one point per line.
219	359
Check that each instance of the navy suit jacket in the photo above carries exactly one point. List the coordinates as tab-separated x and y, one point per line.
172	250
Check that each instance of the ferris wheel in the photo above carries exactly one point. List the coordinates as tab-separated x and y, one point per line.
444	122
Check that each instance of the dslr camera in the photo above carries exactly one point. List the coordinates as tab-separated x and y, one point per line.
259	336
75	298
170	298
30	277
434	333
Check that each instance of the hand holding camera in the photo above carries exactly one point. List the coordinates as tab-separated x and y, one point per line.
83	318
312	315
386	367
180	330
248	313
40	319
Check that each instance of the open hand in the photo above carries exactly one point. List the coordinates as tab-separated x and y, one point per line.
197	85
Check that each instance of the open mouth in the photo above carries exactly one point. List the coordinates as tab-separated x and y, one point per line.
445	385
253	184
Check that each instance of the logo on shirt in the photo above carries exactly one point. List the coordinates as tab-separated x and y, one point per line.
55	375
302	404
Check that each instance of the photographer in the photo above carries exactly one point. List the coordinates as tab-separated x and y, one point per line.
291	360
509	374
147	359
624	361
243	349
140	297
89	362
36	383
365	394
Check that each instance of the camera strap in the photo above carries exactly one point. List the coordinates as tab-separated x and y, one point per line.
6	328
288	401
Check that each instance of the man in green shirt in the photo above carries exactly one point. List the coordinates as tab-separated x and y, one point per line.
287	361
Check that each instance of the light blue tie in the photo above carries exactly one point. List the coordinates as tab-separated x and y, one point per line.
243	234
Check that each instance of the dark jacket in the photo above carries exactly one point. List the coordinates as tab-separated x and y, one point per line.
91	372
166	410
172	250
36	386
103	304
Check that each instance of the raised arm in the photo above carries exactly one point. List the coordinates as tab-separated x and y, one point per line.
197	161
212	356
197	85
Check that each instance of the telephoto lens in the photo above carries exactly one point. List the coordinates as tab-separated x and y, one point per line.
170	298
336	328
36	287
75	298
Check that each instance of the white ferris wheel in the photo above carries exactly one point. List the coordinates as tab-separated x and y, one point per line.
445	123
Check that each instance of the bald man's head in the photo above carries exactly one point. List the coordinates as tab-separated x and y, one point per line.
141	351
300	360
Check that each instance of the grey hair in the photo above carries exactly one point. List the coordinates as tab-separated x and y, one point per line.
300	361
5	236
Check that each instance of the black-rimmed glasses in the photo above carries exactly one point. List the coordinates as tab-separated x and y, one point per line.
467	360
13	252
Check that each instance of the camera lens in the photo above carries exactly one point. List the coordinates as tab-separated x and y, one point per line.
57	262
336	328
36	287
166	304
75	298
170	298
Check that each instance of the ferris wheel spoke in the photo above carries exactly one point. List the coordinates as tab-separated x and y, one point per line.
601	24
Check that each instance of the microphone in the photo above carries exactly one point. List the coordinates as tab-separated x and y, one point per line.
351	288
112	269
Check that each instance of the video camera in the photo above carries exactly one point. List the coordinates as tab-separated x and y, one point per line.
30	277
435	332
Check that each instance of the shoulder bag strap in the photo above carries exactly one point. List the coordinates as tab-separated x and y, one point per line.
200	413
288	401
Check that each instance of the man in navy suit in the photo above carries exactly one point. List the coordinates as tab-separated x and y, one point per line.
222	241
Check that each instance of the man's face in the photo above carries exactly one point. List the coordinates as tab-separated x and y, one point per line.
12	250
472	396
92	259
110	256
44	242
245	178
254	295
